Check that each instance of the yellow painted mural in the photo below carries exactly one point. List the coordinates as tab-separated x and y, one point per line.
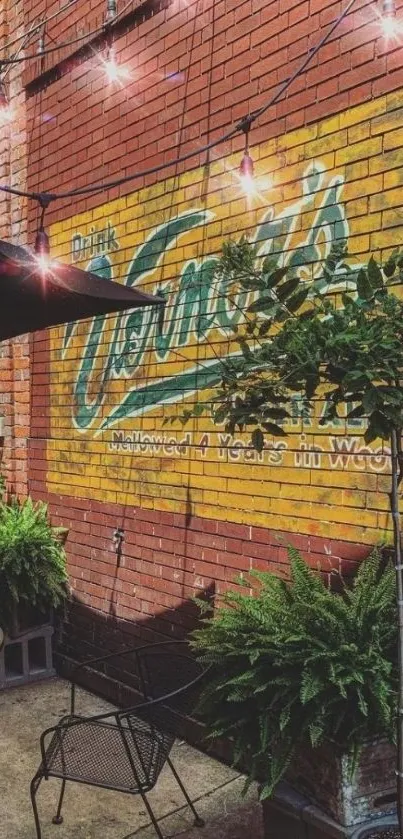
115	379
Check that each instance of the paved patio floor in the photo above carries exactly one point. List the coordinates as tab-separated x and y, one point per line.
91	813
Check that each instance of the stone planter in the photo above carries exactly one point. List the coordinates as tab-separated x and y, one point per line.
324	778
382	824
25	618
26	658
289	815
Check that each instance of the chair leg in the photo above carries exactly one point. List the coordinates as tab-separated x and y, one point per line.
58	819
151	814
198	822
36	780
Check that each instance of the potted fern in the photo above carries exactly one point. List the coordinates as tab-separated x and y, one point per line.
305	681
319	333
33	578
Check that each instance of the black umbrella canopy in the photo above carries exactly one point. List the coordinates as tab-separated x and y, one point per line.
32	298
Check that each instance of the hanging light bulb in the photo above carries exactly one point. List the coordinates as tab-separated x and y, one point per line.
41	45
6	113
114	72
111	11
42	250
391	27
389	8
246	169
3	96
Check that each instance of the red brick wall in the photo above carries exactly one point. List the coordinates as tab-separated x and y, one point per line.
14	355
197	67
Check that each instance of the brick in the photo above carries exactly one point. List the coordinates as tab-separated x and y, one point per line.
207	514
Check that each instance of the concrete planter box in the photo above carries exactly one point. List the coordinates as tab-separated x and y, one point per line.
27	657
25	618
289	815
376	827
323	778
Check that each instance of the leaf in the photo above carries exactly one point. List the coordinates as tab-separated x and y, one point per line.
378	426
264	328
347	299
287	289
275	277
375	274
389	268
356	412
315	733
258	439
274	429
269	265
220	414
263	304
364	287
296	300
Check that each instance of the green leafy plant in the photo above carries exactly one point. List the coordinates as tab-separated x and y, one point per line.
300	664
345	347
32	560
319	332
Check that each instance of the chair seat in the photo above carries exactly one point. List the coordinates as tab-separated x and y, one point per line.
97	753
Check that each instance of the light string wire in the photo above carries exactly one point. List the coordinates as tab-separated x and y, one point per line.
37	26
25	41
104	27
242	126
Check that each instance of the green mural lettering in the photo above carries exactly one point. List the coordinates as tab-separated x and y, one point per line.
196	306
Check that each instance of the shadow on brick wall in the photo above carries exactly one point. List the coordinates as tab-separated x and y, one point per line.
83	633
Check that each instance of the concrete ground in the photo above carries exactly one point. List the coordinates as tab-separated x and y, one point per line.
93	813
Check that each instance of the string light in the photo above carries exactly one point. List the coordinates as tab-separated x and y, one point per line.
6	112
42	251
41	44
42	244
111	11
115	73
246	168
390	25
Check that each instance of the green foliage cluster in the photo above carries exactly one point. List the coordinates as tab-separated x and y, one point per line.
300	664
32	559
345	347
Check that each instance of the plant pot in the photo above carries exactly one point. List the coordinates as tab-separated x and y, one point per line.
364	831
289	815
324	778
26	617
27	657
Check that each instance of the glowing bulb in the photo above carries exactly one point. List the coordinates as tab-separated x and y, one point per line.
114	72
6	115
246	171
6	111
391	27
42	251
43	263
248	186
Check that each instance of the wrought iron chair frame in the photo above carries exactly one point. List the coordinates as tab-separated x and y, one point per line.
45	772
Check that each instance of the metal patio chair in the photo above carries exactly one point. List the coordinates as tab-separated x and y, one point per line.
125	749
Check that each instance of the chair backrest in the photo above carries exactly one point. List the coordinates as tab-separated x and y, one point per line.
170	681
